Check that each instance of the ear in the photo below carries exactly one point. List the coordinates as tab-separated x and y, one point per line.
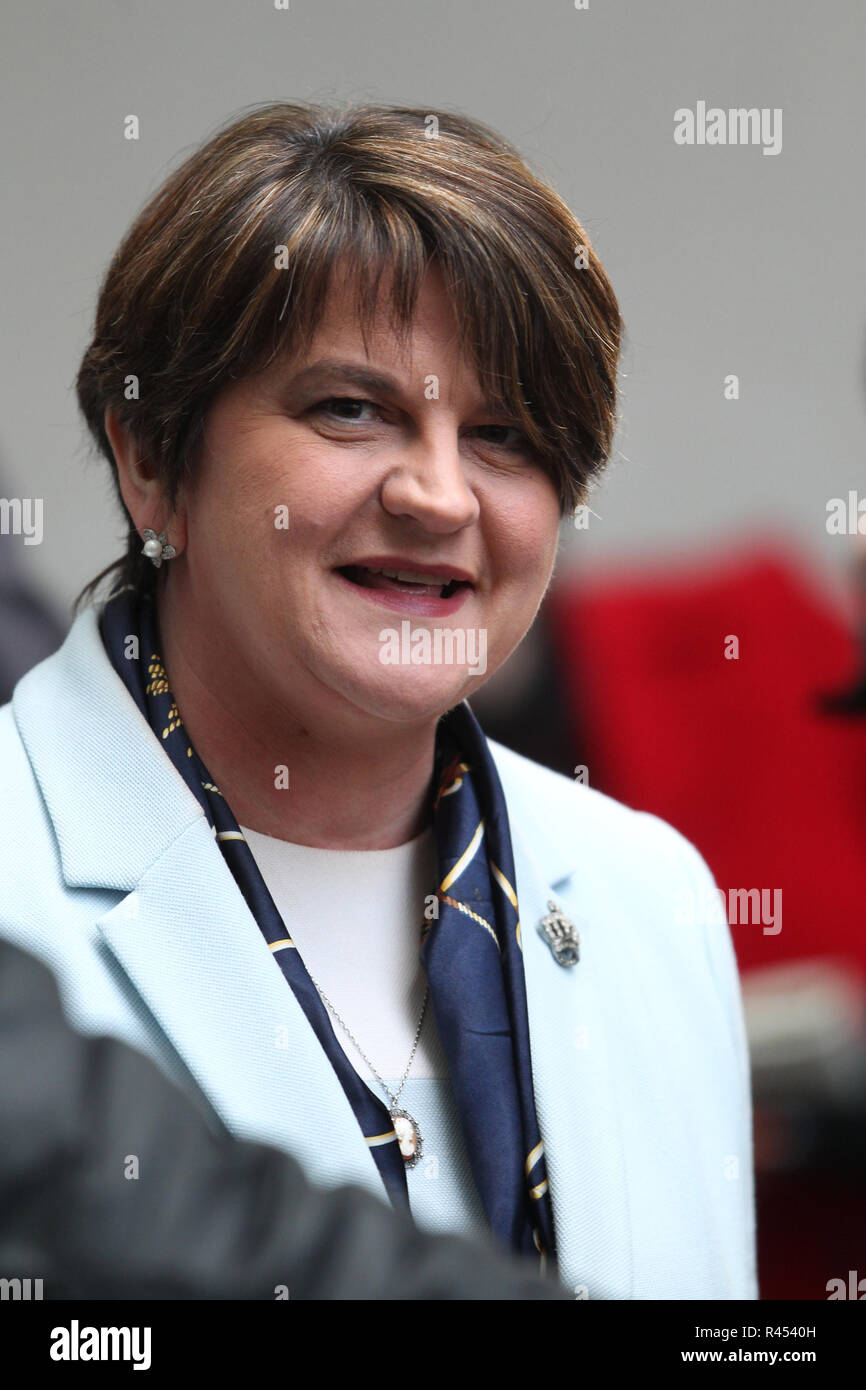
141	487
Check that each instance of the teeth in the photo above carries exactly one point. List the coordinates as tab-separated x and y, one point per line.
412	576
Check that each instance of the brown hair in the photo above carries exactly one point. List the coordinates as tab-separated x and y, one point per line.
194	297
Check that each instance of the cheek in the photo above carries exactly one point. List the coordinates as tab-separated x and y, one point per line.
525	551
249	509
524	541
288	481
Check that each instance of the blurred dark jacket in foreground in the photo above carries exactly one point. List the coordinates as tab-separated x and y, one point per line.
207	1217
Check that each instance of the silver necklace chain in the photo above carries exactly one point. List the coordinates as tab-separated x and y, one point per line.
395	1095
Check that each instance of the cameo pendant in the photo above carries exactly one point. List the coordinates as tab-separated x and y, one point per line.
408	1136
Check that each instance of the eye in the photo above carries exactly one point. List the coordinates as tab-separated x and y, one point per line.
345	408
503	436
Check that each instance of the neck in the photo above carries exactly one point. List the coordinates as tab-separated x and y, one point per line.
332	782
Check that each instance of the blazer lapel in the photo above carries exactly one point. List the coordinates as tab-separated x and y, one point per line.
182	932
573	1080
197	957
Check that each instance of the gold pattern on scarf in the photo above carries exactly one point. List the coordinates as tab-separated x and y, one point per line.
158	685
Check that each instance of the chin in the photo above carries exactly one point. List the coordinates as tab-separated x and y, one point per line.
409	697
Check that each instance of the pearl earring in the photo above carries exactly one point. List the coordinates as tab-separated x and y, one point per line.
156	547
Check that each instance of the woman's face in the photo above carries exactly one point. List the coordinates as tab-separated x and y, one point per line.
322	471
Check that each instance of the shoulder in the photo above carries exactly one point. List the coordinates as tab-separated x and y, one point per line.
27	844
17	783
553	793
628	866
573	812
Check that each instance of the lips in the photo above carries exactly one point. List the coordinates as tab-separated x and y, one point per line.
406	581
412	586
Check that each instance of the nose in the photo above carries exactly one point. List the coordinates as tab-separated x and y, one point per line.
429	484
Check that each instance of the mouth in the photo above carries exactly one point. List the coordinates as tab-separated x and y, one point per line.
435	583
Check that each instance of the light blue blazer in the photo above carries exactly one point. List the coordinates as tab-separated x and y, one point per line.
110	873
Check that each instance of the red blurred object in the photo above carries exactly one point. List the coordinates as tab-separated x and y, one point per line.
739	755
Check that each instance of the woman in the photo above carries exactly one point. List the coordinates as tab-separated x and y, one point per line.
349	370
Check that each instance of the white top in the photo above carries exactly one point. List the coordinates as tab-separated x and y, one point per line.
355	917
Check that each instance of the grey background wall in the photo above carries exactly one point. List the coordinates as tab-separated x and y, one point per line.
725	260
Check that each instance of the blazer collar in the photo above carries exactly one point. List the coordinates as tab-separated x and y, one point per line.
116	803
535	822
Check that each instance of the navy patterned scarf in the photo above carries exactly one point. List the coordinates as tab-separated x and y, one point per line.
471	950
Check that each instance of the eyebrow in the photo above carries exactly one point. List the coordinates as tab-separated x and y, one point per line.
329	369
